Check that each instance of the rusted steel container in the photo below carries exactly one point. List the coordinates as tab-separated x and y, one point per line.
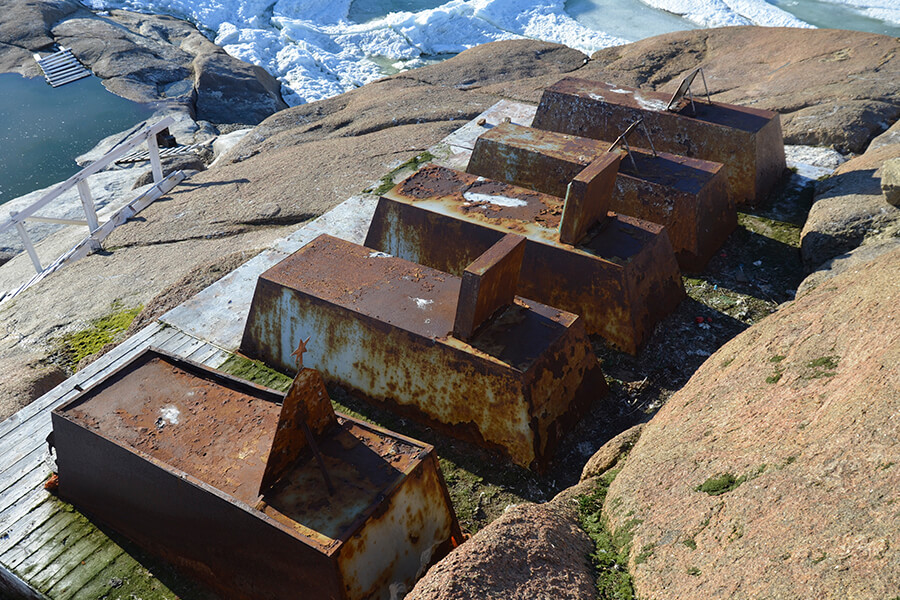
212	474
687	195
622	277
382	326
748	141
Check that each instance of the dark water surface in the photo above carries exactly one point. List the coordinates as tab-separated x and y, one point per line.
43	129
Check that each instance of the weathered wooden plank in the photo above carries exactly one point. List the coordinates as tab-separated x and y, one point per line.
203	353
40	513
28	509
13	477
31	539
70	560
29	435
132	581
174	343
191	345
27	484
217	359
50	552
96	564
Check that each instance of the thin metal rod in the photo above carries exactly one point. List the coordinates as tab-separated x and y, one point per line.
649	139
318	455
703	77
628	149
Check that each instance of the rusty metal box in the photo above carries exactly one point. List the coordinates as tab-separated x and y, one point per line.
687	195
383	326
748	141
622	278
172	454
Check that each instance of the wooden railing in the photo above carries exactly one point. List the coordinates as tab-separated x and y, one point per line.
96	231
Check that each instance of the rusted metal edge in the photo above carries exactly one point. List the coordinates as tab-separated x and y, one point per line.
488	284
275	396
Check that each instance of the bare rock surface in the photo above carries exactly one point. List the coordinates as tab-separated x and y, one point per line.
26	24
891	136
611	452
17	391
145	58
801	411
890	181
850	209
531	552
831	87
25	29
851	260
150	58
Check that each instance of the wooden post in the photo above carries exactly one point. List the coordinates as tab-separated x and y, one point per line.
155	164
26	241
87	201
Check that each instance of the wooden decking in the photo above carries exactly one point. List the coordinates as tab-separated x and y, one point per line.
61	67
143	154
43	541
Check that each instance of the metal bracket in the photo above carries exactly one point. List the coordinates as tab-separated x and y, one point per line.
623	139
684	88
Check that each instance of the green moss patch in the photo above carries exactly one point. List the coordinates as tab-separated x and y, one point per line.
721	484
824	366
102	331
775	377
256	372
610	556
388	181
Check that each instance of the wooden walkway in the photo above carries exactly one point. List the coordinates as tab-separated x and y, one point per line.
43	541
61	67
143	154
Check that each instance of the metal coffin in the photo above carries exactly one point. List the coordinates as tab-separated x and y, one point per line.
382	326
687	195
173	455
748	141
622	277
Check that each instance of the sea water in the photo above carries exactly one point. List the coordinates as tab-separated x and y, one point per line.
43	129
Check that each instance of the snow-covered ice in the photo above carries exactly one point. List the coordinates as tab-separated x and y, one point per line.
318	49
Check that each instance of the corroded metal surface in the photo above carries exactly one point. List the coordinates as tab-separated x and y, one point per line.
384	328
305	411
687	195
622	278
748	141
169	453
588	197
488	285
